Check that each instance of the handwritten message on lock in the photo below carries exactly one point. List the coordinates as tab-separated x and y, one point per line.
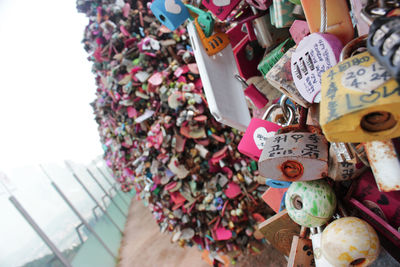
294	156
255	136
348	103
314	55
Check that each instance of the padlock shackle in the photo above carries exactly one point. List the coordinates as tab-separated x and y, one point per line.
352	46
276	106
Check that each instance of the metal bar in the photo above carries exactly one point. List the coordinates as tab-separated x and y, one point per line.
79	232
39	231
93	198
94	212
105	192
76	212
105	177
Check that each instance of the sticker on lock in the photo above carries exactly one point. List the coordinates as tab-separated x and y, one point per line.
294	156
351	116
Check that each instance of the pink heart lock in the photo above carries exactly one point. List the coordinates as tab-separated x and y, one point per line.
223	234
253	140
233	190
221	8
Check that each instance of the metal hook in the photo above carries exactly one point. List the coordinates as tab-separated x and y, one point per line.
284	106
241	80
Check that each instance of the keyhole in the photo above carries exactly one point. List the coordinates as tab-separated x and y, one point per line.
162	18
378	121
297	202
357	262
292	169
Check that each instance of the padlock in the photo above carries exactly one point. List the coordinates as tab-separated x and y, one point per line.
294	156
299	30
260	4
319	258
343	163
280	76
265	88
310	203
274	56
205	20
314	55
213	44
279	231
262	30
220	8
385	164
253	140
337	18
251	91
350	241
375	9
384	43
282	13
385	205
171	13
356	8
301	252
247	52
359	101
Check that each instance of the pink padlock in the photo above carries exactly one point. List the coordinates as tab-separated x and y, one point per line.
220	8
299	30
257	132
251	91
260	4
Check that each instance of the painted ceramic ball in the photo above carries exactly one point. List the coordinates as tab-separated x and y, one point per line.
350	241
310	203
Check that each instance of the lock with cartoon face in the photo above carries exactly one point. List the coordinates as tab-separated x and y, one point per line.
310	203
349	241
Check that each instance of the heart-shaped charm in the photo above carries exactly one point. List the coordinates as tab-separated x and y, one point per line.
260	135
172	7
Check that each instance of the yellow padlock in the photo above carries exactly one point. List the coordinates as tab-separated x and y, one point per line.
360	101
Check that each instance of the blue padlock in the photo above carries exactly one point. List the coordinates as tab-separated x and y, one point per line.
171	13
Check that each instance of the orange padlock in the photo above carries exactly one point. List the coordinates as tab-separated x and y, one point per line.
213	44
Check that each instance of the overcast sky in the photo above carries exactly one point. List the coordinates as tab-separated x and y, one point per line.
46	85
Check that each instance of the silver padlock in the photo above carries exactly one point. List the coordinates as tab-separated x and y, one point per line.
344	163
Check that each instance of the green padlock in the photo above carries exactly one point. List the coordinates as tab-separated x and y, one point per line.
310	203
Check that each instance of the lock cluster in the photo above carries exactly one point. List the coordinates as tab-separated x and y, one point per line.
244	122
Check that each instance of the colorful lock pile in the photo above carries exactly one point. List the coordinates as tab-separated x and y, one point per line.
320	79
159	137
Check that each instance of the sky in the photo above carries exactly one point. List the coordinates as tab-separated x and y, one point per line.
46	85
